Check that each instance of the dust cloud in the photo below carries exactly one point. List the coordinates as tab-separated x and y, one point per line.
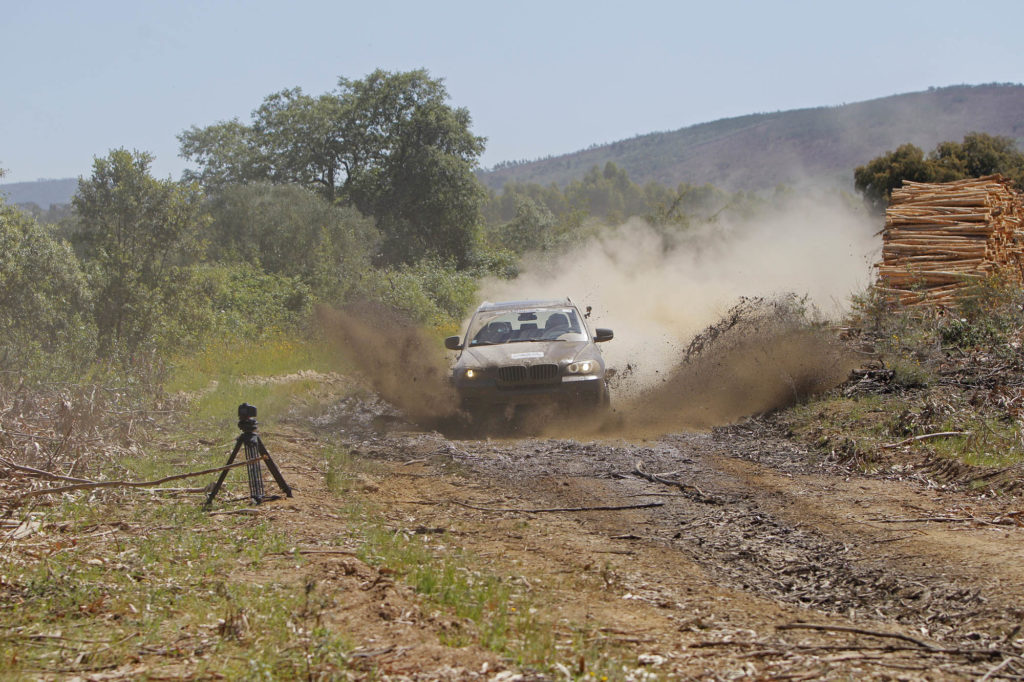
660	292
403	363
712	323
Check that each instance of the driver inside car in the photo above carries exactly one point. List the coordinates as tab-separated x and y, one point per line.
556	325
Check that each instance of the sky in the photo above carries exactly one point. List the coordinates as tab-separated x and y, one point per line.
78	79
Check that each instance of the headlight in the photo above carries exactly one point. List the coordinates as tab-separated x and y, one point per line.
580	367
471	374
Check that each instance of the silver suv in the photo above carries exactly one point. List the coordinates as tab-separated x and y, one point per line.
529	352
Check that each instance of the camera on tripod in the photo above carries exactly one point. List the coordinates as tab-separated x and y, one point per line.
255	453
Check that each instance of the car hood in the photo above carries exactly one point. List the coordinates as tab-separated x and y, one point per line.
531	353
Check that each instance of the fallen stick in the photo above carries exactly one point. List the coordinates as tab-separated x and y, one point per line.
542	510
563	509
1004	520
996	668
690	491
190	491
130	484
923	519
927	436
315	551
41	473
858	631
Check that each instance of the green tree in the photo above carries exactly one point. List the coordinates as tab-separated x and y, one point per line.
138	235
979	154
227	153
44	299
607	193
879	177
291	231
388	144
532	229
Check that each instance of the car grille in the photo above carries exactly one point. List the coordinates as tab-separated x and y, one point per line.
512	375
518	375
543	372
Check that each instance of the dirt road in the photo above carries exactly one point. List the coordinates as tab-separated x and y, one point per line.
757	561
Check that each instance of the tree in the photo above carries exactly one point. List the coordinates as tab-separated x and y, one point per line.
293	232
879	177
226	152
388	144
979	154
44	298
138	236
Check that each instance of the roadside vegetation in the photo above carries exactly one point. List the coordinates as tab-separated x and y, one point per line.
938	393
979	154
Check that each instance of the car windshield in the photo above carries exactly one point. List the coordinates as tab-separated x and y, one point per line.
526	324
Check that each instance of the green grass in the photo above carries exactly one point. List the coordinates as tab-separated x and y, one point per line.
135	577
989	443
226	374
857	428
171	596
490	609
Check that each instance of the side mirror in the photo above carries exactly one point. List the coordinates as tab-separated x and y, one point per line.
453	343
601	335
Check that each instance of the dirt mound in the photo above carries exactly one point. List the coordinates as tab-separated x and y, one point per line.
764	354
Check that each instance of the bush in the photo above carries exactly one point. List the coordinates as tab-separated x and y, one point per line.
45	320
244	301
431	293
138	237
291	231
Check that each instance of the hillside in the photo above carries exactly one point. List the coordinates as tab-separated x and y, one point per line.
42	193
750	152
760	151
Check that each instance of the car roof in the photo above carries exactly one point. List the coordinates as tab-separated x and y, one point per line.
487	306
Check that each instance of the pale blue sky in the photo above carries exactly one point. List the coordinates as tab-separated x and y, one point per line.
539	78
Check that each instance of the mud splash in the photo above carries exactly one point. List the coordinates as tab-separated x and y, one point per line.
402	362
763	355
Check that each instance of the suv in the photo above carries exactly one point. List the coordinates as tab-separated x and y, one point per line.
529	352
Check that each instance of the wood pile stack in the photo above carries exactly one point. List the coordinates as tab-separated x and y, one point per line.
940	238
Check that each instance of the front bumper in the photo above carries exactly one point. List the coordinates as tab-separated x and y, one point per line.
570	390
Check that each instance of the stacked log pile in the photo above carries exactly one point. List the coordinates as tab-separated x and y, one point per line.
941	238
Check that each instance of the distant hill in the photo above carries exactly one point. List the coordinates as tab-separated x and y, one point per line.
760	151
42	193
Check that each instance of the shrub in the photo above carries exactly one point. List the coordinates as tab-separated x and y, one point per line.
242	300
45	325
431	293
293	232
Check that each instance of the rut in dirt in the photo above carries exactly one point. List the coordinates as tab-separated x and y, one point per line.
727	528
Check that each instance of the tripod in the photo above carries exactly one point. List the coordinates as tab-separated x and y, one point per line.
255	452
